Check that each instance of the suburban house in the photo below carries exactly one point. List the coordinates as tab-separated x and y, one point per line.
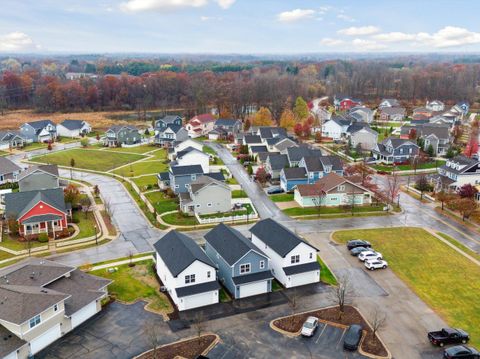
9	171
395	150
242	267
420	112
336	127
229	126
317	167
39	177
435	106
200	125
116	136
218	134
180	177
42	301
11	139
436	135
252	140
361	114
283	144
389	102
320	112
186	271
332	190
362	135
295	154
192	156
392	114
271	132
254	150
458	171
182	146
73	128
167	135
345	103
290	177
274	164
41	211
293	261
463	106
163	122
206	196
39	131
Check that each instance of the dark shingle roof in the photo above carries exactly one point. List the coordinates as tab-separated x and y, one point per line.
10	342
230	243
178	251
169	119
248	139
277	162
163	176
396	142
216	176
50	169
42	218
17	204
253	277
73	124
186	170
225	122
318	164
301	268
173	127
197	288
7	166
257	149
285	143
204	181
342	121
276	236
295	154
292	173
40	124
270	132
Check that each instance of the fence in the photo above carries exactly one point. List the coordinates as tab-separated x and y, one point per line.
241	218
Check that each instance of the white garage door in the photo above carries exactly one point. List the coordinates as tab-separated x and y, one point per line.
199	300
247	290
45	339
83	314
305	278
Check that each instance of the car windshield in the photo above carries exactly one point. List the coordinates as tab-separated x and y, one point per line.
308	325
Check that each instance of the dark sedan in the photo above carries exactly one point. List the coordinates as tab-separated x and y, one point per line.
357	250
354	243
352	337
461	352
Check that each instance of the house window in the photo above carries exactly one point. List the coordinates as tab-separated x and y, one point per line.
55	307
333	198
177	186
244	268
341	188
190	278
208	274
311	255
187	186
35	321
194	177
295	259
262	264
209	205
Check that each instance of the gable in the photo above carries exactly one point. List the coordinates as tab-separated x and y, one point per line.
40	208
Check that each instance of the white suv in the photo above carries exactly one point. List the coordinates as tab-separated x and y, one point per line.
367	255
373	264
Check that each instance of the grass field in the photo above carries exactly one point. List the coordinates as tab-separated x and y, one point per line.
282	197
443	278
423	166
161	203
3	153
179	219
145	181
133	283
86	225
238	193
209	150
299	211
34	146
15	245
142	168
459	245
95	160
139	149
326	276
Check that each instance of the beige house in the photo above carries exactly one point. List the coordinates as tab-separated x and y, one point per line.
41	302
365	137
206	196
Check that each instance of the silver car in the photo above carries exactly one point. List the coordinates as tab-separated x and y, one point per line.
309	327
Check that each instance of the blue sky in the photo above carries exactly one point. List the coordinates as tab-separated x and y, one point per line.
238	26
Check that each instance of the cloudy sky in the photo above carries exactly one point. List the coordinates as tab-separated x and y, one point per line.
239	26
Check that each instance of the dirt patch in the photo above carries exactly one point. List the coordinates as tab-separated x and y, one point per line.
189	349
371	344
285	205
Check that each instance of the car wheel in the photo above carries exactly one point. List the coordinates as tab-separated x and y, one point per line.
371	268
441	344
384	267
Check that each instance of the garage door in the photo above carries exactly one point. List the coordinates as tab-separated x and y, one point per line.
247	290
13	355
305	278
45	339
84	314
199	300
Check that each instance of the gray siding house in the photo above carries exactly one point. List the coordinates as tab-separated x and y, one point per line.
162	123
275	164
122	135
180	177
39	131
11	139
437	135
229	126
205	196
9	171
242	267
395	150
363	136
171	134
39	178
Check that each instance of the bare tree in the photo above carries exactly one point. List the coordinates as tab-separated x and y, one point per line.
199	325
293	303
152	332
342	294
318	198
377	320
86	204
393	187
130	258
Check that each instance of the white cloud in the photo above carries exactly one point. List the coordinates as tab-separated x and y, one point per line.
295	15
209	18
17	42
161	5
345	17
367	45
225	4
328	41
394	37
359	31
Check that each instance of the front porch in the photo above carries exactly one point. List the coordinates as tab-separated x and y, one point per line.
49	224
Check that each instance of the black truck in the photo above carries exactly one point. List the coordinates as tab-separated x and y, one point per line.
448	336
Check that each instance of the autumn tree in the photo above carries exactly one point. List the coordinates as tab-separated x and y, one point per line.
412	134
261	175
422	185
263	117
306	130
287	120
467	191
71	194
444	197
318	136
472	145
300	109
297	129
465	206
247	124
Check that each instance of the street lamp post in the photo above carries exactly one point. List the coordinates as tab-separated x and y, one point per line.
96	237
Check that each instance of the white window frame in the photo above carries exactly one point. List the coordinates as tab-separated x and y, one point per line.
190	278
209	274
245	268
36	320
295	259
262	264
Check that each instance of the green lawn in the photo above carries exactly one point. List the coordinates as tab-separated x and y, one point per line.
299	211
146	182
209	150
139	149
231	181
142	168
459	245
282	197
443	278
86	225
14	244
238	193
5	255
161	204
423	166
179	219
3	153
276	286
34	146
217	161
247	210
160	154
95	160
224	296
326	276
133	283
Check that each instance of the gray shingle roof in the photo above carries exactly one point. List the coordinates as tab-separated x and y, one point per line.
292	173
18	203
50	169
295	154
270	132
277	162
225	122
254	277
42	218
186	170
178	251
301	268
10	342
73	124
318	164
285	143
216	176
163	176
248	139
40	124
257	149
197	288
394	111
229	243
276	236
204	181
7	166
342	121
173	127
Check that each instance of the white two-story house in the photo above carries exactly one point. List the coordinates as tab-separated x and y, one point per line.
191	156
459	171
186	271
292	260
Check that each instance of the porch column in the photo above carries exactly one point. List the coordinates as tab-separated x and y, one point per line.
24	229
46	226
53	229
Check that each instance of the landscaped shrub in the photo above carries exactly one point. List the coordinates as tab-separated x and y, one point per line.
43	238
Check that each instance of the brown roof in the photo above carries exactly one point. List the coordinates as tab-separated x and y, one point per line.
10	342
325	184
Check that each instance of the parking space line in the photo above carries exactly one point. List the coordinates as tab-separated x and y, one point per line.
324	327
344	331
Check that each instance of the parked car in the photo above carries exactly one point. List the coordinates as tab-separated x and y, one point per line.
373	264
461	352
448	336
310	326
354	243
274	190
357	250
352	337
367	255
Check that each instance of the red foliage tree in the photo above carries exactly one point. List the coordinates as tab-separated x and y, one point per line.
306	129
467	191
298	129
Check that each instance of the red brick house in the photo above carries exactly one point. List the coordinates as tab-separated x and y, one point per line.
36	212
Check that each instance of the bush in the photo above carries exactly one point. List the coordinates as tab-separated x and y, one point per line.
43	238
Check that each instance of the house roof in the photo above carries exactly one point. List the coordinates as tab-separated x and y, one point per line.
253	277
173	127
19	203
216	175
40	124
73	124
357	126
178	251
204	181
49	169
7	166
292	173
364	109
203	118
197	288
391	111
281	239
42	218
168	119
285	143
262	156
163	176
180	154
10	342
391	101
271	132
295	154
117	128
397	142
257	149
226	122
464	163
248	139
441	131
277	162
186	170
325	184
230	243
8	135
318	164
274	140
340	120
301	268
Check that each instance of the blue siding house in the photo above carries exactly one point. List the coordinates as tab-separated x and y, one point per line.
182	176
162	123
242	267
39	131
317	167
291	177
395	150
